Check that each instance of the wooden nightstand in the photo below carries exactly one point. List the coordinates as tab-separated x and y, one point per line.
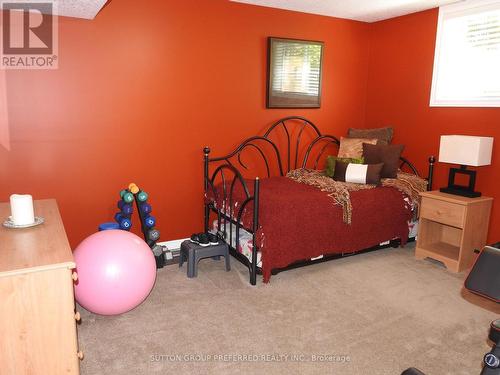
451	227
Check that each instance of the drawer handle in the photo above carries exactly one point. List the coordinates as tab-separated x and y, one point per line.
78	316
74	276
80	355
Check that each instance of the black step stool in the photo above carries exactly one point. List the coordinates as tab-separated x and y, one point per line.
193	253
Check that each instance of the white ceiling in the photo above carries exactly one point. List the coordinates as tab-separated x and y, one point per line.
360	10
79	8
87	9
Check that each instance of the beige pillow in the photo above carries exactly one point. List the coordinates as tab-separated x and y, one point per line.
353	147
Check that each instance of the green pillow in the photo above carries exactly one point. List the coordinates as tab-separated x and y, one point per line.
331	160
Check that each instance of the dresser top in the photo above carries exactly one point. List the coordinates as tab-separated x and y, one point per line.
37	248
457	199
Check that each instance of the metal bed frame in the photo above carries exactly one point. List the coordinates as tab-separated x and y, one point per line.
297	154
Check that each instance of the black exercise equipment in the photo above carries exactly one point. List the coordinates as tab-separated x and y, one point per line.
484	280
492	359
412	371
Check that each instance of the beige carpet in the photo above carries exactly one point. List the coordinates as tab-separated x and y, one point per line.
376	313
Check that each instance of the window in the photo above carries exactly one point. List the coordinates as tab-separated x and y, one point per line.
467	58
294	73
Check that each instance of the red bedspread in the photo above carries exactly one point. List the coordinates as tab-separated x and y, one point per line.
300	222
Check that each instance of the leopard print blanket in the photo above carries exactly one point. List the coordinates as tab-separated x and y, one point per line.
409	184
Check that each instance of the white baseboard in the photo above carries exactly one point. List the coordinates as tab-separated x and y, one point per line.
176	244
173	244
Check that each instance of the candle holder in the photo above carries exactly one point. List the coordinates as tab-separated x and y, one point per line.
10	224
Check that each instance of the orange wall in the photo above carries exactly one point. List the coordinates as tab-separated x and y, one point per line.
400	74
4	118
141	89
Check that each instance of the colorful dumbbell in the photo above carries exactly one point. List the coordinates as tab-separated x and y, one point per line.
150	221
153	234
158	250
134	189
126	208
145	208
128	197
142	196
121	215
120	203
123	192
123	220
125	224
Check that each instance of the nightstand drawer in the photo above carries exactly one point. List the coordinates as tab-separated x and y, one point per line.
443	212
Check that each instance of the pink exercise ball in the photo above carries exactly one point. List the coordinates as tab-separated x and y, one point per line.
116	272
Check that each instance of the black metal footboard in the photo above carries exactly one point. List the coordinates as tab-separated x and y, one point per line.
229	216
290	143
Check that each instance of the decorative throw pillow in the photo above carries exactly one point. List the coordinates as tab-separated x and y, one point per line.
331	161
358	173
353	147
387	154
384	135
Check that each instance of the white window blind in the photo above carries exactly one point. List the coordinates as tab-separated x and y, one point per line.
294	73
467	58
296	68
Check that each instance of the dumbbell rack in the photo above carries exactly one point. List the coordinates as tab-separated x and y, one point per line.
151	234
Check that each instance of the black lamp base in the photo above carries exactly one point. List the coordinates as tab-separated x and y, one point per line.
464	191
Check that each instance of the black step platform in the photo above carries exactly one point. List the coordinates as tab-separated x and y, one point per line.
193	253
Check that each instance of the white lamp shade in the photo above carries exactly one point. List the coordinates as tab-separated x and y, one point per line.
465	150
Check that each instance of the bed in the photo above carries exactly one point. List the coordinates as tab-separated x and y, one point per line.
270	201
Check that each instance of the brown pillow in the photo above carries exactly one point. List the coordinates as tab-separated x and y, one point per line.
384	135
353	147
358	173
387	154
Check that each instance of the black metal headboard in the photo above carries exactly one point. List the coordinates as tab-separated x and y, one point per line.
304	145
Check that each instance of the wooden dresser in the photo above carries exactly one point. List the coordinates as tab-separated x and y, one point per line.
37	308
451	227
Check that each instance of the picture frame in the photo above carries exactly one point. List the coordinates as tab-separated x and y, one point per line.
294	73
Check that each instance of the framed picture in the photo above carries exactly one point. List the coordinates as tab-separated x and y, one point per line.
294	73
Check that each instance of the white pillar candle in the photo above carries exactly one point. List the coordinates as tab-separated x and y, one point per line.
21	208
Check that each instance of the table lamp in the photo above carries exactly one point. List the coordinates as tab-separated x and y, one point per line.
466	151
